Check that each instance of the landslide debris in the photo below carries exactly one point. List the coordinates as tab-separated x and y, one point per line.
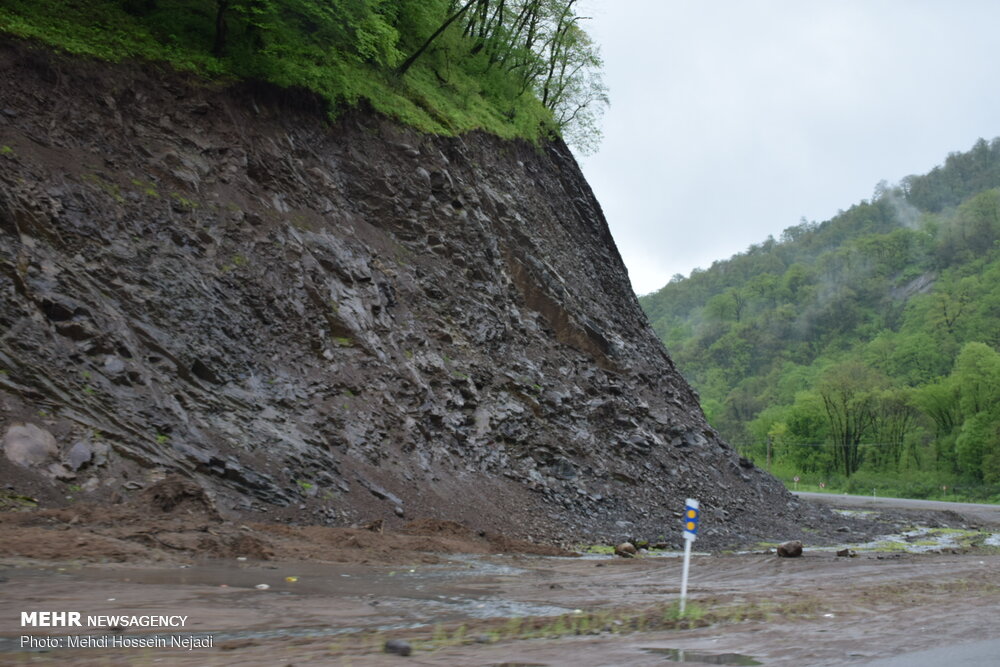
332	324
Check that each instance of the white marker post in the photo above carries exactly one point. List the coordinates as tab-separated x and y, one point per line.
691	516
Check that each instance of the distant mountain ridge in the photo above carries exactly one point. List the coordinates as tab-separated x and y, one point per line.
900	285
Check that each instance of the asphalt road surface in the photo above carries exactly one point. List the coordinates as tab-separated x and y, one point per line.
977	654
976	512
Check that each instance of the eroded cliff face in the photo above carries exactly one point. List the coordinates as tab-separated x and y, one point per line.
329	324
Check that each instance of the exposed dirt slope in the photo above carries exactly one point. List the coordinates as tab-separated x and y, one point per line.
330	324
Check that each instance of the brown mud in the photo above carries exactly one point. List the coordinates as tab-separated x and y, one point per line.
322	596
174	522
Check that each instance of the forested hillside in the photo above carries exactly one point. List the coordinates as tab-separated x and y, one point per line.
516	68
861	351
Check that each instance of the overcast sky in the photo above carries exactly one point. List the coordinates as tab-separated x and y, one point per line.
733	119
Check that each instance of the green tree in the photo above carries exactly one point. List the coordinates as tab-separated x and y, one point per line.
448	21
895	418
940	402
849	395
977	374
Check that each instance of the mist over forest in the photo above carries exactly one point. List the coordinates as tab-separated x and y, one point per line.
859	352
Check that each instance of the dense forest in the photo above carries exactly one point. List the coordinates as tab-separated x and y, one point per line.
860	352
516	68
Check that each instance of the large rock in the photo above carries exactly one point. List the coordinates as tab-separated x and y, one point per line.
625	550
792	549
30	446
398	647
79	455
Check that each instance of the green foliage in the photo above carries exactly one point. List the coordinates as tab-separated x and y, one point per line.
519	68
862	346
692	612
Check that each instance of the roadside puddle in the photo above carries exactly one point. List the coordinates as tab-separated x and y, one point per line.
684	655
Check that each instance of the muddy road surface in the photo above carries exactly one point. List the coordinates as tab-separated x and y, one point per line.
935	585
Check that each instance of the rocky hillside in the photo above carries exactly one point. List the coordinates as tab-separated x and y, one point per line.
329	323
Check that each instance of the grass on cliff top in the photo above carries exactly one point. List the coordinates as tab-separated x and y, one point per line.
293	50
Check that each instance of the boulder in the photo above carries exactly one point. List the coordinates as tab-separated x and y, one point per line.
625	550
30	446
79	455
398	646
792	549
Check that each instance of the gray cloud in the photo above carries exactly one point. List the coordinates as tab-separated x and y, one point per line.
731	120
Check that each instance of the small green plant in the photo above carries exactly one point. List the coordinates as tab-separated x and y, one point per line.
304	485
184	201
512	628
15	501
107	187
237	261
342	341
597	549
692	612
7	151
149	189
162	438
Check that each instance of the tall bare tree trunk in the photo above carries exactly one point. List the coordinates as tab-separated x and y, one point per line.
444	26
219	48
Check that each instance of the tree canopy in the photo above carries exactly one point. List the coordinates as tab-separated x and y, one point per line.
517	68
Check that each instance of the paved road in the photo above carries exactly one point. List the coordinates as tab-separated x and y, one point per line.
976	654
971	511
